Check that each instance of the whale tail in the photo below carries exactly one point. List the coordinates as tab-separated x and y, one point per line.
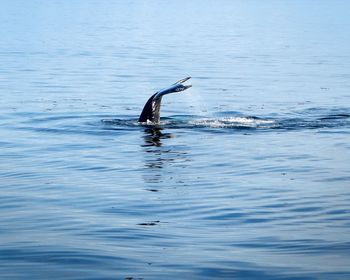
151	110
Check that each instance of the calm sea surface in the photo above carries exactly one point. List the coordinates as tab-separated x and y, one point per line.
246	177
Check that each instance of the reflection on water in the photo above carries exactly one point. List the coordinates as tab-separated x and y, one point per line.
159	157
153	136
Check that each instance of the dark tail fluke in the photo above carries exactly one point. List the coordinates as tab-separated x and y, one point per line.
151	110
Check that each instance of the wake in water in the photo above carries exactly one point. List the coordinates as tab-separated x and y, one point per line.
197	122
307	119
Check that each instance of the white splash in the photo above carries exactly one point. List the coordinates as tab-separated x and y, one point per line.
231	122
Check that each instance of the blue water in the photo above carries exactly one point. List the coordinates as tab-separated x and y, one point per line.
246	177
